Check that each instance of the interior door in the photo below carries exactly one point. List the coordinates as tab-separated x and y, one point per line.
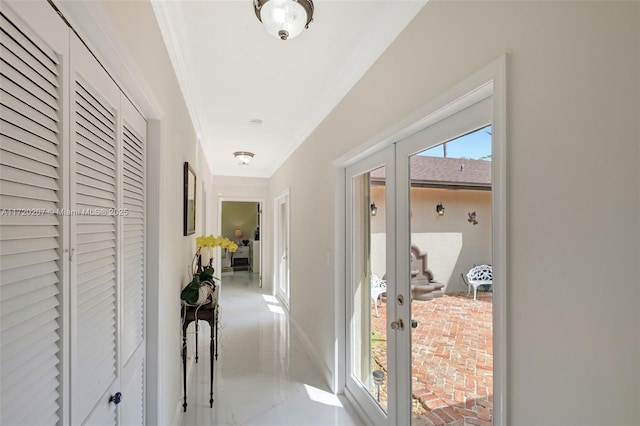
94	238
282	248
72	174
132	214
32	236
107	223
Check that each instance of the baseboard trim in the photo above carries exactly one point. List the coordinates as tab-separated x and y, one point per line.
325	371
353	402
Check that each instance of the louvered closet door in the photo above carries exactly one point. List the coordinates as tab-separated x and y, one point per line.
94	237
31	235
133	264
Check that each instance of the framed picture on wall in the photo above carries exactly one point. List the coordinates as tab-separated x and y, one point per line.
189	199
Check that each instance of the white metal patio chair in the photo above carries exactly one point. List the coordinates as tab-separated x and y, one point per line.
378	286
477	276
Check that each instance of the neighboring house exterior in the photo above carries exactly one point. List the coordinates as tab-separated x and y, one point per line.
453	244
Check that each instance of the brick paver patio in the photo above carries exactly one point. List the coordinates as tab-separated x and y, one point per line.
452	360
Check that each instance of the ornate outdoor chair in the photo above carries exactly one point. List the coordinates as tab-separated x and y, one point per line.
378	287
477	276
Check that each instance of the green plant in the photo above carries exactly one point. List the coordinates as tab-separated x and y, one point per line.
204	275
191	292
377	337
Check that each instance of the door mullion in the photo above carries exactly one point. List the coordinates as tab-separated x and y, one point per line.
402	239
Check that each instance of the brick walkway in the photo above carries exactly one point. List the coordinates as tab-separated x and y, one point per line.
452	360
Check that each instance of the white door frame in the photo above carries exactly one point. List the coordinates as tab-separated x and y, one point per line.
353	388
260	201
491	79
283	199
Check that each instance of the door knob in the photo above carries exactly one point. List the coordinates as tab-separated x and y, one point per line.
397	325
116	398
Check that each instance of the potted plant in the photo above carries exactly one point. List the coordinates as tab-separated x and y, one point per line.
202	284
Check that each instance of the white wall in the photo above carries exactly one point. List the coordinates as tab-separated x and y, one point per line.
573	108
126	38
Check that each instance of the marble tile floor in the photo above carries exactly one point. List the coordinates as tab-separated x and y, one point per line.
263	375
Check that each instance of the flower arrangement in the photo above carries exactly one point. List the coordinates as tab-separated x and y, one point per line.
201	287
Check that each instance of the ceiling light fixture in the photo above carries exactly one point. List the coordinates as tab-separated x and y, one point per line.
244	157
284	19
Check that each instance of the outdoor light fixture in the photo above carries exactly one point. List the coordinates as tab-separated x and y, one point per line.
378	380
374	209
440	209
244	157
284	19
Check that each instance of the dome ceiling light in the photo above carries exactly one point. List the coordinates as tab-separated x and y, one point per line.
284	19
244	157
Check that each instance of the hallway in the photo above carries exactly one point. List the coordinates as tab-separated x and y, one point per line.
263	375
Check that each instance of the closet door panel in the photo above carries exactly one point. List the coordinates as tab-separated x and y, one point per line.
32	133
133	229
94	236
132	202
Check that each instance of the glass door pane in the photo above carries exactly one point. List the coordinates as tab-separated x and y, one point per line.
451	233
369	288
370	368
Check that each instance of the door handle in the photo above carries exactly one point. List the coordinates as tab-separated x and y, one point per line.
116	398
397	325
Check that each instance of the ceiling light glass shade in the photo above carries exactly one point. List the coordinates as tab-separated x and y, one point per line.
244	157
284	19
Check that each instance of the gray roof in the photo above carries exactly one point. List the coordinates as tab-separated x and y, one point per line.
439	171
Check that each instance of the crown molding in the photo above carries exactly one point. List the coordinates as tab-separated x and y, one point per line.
93	25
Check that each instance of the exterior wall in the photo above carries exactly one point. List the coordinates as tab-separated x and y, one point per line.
452	243
573	107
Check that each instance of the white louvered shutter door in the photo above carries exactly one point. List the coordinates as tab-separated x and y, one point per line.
133	236
31	239
95	101
133	264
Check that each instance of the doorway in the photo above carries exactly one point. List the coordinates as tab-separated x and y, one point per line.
282	253
241	221
416	223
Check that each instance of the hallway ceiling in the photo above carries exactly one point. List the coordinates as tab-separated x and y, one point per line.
231	71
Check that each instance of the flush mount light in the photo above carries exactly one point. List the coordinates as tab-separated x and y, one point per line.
284	19
244	157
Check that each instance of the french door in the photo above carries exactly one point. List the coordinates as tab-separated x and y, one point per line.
374	332
386	219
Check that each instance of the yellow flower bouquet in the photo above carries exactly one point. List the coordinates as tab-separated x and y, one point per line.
199	290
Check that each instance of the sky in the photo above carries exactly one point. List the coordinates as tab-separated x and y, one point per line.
475	145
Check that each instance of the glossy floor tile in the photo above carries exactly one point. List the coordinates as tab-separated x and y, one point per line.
263	375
